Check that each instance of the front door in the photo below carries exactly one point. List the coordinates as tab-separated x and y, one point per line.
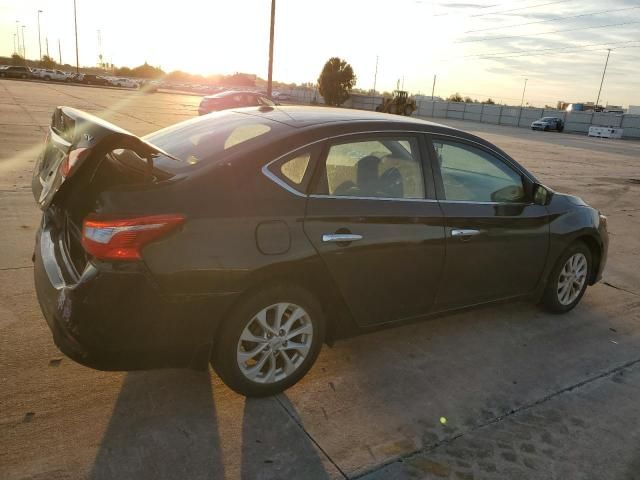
497	239
378	232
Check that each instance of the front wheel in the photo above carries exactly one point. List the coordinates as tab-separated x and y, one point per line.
269	341
568	280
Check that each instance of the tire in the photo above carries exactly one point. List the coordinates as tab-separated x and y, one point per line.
47	78
546	129
268	363
408	110
552	299
23	76
560	128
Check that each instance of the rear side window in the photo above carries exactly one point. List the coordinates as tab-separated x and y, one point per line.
373	168
295	168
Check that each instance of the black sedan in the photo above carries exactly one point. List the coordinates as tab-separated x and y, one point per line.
15	71
548	123
249	237
233	99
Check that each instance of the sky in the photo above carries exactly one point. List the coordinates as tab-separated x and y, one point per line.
479	48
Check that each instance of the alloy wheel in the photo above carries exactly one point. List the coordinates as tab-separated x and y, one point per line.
572	278
274	343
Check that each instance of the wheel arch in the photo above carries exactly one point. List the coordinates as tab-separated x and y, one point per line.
311	275
596	254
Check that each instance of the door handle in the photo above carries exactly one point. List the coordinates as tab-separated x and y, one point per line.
464	233
341	237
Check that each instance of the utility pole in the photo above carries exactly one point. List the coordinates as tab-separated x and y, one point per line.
39	41
46	41
18	36
14	44
433	89
271	32
59	53
523	90
375	76
75	20
24	48
402	82
602	81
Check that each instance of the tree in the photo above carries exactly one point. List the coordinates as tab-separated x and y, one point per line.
455	97
336	81
47	62
469	100
488	101
17	59
147	71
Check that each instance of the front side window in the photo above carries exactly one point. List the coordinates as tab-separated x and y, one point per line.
381	168
474	175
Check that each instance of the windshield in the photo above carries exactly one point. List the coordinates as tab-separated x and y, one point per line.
202	140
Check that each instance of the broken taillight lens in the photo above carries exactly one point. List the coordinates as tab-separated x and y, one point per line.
123	239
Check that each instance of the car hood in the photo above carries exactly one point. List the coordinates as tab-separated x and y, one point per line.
570	199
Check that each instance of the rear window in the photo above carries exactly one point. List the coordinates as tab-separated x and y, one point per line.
206	139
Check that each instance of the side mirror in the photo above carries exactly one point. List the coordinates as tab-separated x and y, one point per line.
541	194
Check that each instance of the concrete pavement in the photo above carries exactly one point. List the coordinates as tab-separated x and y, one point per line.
525	394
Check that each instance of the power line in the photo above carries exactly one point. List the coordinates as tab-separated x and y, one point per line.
558	19
486	39
554	53
519	8
499	54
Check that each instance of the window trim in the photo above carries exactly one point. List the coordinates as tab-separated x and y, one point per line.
527	180
272	172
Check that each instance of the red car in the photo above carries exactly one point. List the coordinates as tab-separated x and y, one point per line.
233	99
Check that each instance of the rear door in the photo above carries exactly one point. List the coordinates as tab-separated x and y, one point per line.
497	239
374	220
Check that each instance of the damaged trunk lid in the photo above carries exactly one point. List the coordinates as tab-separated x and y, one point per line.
74	147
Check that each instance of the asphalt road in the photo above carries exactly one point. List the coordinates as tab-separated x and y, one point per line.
501	392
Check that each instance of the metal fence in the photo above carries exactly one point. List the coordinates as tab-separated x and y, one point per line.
495	114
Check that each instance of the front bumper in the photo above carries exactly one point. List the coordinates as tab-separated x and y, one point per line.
114	317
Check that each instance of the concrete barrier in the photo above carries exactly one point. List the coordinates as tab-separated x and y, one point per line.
493	114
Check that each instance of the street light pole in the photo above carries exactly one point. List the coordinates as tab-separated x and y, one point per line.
433	88
18	36
75	21
375	76
39	41
271	32
524	90
14	44
24	47
602	81
59	53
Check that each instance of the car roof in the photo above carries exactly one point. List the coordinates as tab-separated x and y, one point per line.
228	93
306	116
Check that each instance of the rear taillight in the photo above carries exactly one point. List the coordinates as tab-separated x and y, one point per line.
123	239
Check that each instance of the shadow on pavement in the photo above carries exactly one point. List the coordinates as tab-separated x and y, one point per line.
163	426
170	424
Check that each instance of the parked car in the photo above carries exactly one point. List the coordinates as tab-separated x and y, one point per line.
90	79
548	123
232	99
57	75
122	82
249	237
15	71
281	96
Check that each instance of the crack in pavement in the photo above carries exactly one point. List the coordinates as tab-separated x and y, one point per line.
106	109
4	269
620	288
500	418
22	107
308	435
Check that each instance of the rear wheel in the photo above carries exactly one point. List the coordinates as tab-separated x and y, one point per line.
408	110
568	280
270	341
